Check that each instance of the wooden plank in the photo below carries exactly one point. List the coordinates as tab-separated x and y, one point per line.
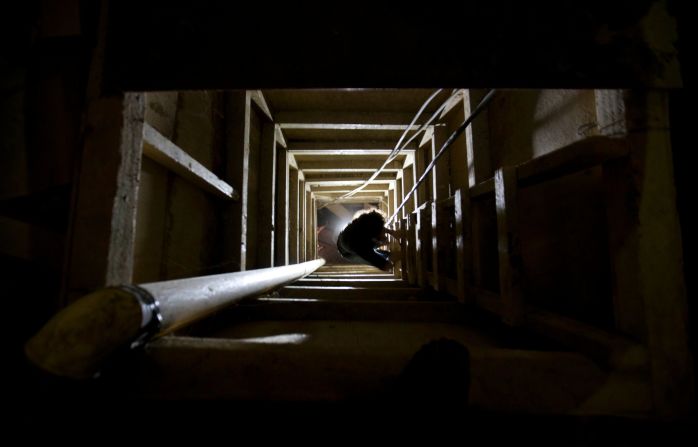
161	150
575	157
508	246
482	188
102	229
464	249
293	227
266	197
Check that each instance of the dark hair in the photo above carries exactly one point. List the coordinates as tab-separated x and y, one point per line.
359	234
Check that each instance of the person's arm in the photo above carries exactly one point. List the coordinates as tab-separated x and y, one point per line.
397	234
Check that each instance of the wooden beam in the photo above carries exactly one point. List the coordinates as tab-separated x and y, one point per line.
378	153
350	165
309	230
293	190
410	253
285	117
455	100
237	147
423	244
441	172
102	229
464	248
508	246
353	178
281	254
575	157
258	98
324	145
266	197
161	150
379	187
477	137
482	188
440	240
280	138
342	126
302	227
407	183
292	160
654	240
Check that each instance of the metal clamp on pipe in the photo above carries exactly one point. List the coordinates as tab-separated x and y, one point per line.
151	323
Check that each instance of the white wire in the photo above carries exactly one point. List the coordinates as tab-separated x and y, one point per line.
397	149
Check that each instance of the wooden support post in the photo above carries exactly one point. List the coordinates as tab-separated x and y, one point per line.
314	224
647	253
407	183
237	148
403	250
266	197
391	200
308	240
399	195
508	244
434	246
410	254
293	184
477	136
440	241
103	222
253	187
302	254
464	252
421	160
282	198
441	172
423	244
